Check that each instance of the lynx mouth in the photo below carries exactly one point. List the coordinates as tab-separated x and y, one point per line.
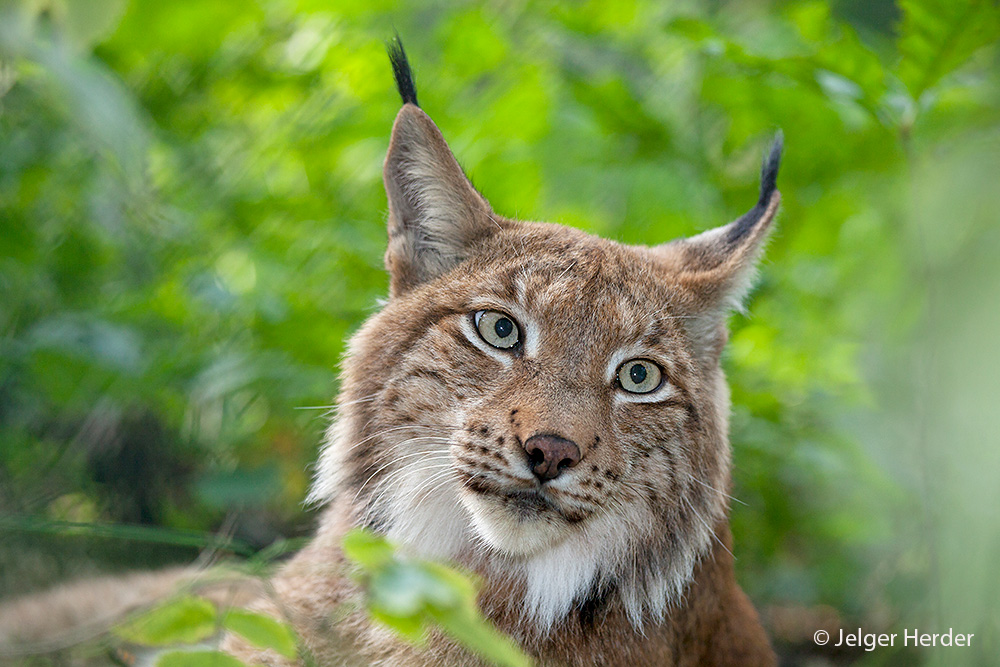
528	504
524	504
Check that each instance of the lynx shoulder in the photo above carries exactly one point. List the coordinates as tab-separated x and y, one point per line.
547	409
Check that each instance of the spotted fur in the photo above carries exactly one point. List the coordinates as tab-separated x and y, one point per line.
624	558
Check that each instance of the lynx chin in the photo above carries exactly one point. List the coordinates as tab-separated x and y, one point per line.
546	409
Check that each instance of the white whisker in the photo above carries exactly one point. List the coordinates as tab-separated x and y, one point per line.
709	486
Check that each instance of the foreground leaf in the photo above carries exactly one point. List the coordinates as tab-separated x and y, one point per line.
478	635
198	659
262	631
184	620
367	549
411	596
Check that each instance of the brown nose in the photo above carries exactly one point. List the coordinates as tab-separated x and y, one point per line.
549	455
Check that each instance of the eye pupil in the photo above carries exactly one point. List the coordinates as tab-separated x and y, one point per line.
637	373
503	327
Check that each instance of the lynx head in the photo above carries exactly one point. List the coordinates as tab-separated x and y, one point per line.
538	403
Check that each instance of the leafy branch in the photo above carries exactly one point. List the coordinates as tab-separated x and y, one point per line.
411	597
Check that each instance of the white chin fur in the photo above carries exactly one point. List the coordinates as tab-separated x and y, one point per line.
508	533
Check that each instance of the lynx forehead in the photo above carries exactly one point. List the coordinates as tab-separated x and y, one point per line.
540	404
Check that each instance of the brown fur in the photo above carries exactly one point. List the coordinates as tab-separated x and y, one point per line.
622	560
82	610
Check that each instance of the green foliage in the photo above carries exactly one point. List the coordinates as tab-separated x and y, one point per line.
412	596
261	631
184	620
198	659
937	37
189	619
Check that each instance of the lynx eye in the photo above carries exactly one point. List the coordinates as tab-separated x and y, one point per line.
639	376
497	329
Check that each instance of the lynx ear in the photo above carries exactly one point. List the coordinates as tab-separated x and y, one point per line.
716	268
435	215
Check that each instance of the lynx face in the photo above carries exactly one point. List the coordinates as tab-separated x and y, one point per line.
538	403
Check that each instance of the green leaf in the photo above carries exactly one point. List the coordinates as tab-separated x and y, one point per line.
411	628
184	620
399	589
407	596
479	636
367	549
198	659
450	586
937	37
261	631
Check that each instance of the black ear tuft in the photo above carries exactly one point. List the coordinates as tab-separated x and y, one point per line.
769	168
401	71
768	186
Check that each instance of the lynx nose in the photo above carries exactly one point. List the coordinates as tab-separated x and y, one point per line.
549	455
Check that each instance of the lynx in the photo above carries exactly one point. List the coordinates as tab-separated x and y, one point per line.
547	409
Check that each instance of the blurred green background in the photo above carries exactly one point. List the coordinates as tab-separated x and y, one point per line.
192	221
